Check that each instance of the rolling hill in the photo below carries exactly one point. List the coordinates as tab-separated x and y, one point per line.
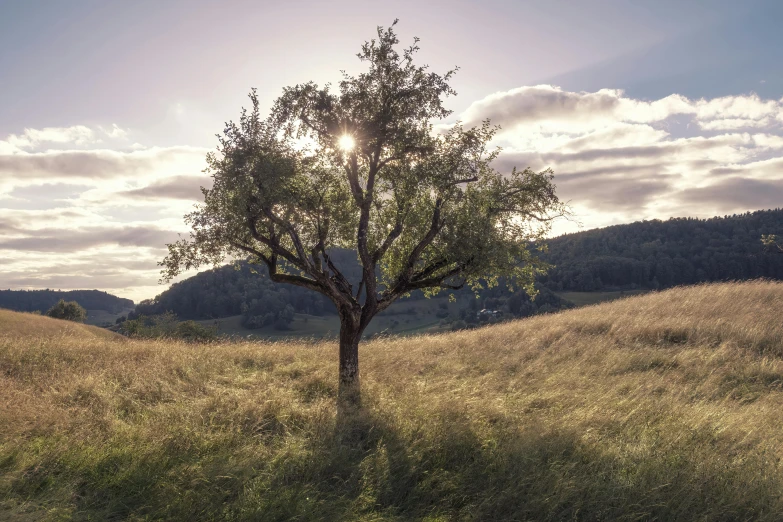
22	325
664	406
660	254
589	266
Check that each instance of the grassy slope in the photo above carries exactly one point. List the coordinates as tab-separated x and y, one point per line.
590	298
29	326
664	406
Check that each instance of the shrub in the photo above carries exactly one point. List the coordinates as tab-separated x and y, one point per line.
166	326
193	331
458	325
68	310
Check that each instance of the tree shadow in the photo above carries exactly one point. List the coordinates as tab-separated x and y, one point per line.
443	469
375	464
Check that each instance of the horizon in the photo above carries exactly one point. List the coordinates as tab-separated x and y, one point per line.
643	112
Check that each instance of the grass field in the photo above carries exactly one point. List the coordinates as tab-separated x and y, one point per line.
591	298
665	406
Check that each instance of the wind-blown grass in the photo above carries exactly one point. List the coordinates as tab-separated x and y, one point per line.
660	407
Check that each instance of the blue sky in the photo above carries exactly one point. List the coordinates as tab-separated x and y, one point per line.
643	109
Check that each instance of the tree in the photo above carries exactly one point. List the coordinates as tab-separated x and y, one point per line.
363	168
68	310
771	243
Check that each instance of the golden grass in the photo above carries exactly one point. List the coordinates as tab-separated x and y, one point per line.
660	407
16	324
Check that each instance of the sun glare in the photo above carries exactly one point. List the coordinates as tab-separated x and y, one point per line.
347	143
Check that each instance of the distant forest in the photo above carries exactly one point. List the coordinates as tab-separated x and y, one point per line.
648	255
43	300
661	254
245	289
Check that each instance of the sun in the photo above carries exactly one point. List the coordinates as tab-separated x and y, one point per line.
347	142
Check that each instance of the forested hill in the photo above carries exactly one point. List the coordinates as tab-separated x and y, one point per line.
230	290
649	254
42	300
660	254
245	289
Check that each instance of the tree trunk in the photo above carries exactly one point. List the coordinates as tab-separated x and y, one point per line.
350	333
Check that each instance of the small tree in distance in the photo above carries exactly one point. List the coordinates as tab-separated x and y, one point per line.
363	168
771	244
68	310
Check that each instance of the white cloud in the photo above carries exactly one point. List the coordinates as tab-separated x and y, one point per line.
83	207
71	165
78	135
115	132
551	109
620	159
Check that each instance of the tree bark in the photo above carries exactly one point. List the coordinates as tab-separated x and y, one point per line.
350	334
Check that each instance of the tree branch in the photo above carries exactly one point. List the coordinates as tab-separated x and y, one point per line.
435	225
274	246
387	243
271	264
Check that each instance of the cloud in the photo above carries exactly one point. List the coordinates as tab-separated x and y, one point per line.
175	187
105	280
551	108
9	226
736	192
70	165
542	103
619	159
67	240
115	131
78	135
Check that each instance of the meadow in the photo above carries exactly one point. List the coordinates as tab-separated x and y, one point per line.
664	406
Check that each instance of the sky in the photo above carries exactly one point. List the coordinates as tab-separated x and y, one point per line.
643	109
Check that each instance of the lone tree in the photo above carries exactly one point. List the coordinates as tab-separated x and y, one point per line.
68	310
364	168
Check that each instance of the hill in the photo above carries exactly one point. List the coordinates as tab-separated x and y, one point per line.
641	256
15	325
661	254
101	307
664	406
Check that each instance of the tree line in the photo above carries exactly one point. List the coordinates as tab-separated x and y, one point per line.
661	254
43	300
648	254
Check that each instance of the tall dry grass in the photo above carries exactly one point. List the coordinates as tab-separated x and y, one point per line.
660	407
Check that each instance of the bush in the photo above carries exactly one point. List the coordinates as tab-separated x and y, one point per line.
167	326
193	331
68	310
458	325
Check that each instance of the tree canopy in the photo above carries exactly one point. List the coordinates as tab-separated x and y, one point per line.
364	168
68	310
